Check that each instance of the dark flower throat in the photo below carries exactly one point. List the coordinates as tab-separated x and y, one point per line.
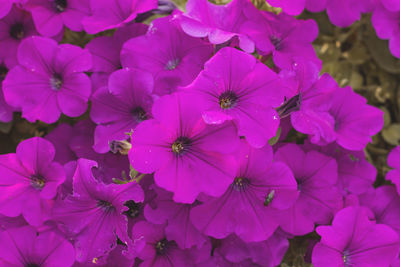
133	209
17	31
181	145
276	41
228	100
105	205
37	181
139	114
56	82
60	5
162	246
3	72
240	183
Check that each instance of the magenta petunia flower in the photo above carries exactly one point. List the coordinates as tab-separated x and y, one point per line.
29	180
106	52
316	5
11	222
307	100
116	257
295	7
102	207
136	212
329	113
386	24
355	174
392	5
319	199
218	260
384	202
187	156
66	188
110	165
368	6
173	57
354	240
25	247
6	6
60	137
179	227
158	251
15	27
6	111
355	121
73	142
53	82
119	108
396	262
114	14
50	16
291	7
235	86
343	13
248	207
220	23
393	161
267	253
283	37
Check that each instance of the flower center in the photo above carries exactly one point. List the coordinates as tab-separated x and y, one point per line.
338	124
299	184
105	205
60	5
3	72
17	31
240	183
276	41
228	100
133	209
32	265
56	82
139	114
162	246
172	64
181	145
345	257
37	181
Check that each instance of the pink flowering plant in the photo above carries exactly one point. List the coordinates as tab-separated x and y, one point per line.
171	136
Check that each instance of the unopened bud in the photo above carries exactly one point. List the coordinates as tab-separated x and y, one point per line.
120	146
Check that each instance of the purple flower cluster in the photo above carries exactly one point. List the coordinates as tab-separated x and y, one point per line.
343	13
176	165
